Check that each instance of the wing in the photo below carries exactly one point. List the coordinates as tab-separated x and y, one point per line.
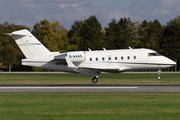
89	70
94	70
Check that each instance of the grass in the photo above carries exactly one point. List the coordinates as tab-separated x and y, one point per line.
68	106
37	106
121	78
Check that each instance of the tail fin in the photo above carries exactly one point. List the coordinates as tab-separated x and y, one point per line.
29	45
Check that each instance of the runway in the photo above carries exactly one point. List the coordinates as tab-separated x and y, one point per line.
85	88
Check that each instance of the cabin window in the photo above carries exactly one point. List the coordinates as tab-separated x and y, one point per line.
96	59
115	58
90	59
103	58
109	58
122	58
128	57
134	57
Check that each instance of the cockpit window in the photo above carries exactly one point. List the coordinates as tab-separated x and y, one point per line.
158	54
154	54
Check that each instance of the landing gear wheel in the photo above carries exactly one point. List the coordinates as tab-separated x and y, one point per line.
95	80
159	77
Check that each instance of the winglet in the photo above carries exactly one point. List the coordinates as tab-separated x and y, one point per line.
70	64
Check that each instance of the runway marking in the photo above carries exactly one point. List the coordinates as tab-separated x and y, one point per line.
68	87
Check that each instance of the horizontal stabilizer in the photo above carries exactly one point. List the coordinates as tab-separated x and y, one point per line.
19	33
7	33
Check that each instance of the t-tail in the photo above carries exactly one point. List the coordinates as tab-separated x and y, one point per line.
29	45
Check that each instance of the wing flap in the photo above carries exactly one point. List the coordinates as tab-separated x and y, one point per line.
103	68
85	71
94	70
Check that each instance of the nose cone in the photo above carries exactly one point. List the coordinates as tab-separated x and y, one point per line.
172	63
168	62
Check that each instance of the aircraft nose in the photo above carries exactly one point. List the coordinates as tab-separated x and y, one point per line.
173	63
170	62
167	62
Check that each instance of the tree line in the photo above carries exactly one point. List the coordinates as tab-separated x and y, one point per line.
88	33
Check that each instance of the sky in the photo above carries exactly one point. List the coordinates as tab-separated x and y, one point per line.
30	12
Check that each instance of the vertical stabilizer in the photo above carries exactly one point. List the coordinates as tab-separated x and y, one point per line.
29	45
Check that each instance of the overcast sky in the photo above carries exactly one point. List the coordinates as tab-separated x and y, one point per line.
29	12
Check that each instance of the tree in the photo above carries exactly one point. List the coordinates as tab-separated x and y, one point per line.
172	39
121	34
74	35
91	34
10	53
150	35
155	35
111	34
143	34
52	35
37	32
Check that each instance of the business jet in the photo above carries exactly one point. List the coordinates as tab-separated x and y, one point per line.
88	62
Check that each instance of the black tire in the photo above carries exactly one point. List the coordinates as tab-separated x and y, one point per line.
158	77
95	80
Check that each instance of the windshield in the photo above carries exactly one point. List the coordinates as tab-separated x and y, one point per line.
154	54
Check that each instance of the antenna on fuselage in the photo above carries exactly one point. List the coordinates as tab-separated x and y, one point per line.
104	49
129	47
89	49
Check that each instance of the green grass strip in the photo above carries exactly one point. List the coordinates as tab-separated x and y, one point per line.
29	106
118	78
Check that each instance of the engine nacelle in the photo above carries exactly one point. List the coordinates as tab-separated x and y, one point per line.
76	56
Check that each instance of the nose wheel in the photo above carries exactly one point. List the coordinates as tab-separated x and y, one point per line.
158	77
95	79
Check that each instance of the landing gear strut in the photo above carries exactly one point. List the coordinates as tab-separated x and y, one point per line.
159	75
95	79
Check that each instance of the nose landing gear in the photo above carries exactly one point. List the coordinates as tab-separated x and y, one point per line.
159	75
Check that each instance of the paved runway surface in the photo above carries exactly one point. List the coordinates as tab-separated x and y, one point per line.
74	88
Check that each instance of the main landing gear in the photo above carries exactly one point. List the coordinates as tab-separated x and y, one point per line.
95	79
159	75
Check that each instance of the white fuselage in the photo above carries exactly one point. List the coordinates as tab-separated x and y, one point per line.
104	60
